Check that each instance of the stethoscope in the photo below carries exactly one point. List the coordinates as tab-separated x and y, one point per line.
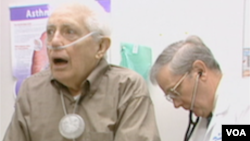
190	130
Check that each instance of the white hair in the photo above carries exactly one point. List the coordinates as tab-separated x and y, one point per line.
181	55
96	18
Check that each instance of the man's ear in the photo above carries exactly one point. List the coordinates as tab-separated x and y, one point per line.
104	45
200	68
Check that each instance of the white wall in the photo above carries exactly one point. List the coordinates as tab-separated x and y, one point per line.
6	81
218	22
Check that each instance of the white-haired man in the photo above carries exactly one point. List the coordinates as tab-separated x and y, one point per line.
191	78
81	97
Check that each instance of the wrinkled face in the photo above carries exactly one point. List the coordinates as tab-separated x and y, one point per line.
167	81
71	64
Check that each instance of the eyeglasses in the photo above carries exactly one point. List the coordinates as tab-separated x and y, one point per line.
73	43
172	93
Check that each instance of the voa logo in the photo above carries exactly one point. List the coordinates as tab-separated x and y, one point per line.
236	132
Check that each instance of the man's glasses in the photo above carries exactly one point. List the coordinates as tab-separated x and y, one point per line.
172	93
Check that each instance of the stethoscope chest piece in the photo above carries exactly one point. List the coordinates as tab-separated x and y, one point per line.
71	126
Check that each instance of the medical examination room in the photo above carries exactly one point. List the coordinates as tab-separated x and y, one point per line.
125	70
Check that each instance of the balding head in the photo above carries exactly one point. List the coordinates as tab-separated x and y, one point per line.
91	13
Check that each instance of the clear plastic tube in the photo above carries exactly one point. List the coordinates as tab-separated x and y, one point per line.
71	44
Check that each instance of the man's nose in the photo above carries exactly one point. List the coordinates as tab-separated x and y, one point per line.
56	40
177	103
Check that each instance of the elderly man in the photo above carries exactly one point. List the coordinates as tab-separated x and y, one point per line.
81	97
190	77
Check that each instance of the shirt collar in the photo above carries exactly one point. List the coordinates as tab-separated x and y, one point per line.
95	76
92	81
221	100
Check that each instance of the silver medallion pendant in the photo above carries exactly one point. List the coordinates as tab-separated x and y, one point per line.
71	126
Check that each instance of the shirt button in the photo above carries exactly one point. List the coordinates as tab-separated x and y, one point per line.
73	102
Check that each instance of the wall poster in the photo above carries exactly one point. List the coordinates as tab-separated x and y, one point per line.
28	38
246	41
